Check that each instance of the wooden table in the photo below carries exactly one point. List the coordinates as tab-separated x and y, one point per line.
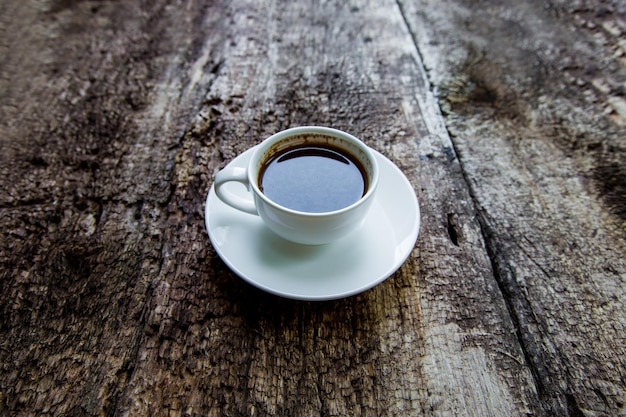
508	118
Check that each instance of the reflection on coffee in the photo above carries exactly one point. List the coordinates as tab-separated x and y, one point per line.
313	178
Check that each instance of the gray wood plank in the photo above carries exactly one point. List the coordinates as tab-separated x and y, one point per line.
534	102
435	338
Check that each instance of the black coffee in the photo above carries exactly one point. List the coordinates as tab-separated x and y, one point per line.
313	178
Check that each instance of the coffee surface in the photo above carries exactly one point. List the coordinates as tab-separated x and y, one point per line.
313	178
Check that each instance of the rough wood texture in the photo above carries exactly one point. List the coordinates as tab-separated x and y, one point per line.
117	115
535	102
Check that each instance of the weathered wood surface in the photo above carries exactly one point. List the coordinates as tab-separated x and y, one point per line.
115	117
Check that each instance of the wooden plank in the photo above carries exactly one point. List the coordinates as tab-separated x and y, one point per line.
436	338
94	99
533	94
113	300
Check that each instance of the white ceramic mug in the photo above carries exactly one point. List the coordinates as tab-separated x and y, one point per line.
309	228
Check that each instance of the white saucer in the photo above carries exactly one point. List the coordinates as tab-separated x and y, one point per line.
343	268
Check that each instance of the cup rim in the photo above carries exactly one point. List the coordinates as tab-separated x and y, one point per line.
322	130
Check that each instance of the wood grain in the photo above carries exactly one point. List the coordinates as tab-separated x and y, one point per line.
117	115
532	96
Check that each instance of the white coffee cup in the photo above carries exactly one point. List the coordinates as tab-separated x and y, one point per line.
300	226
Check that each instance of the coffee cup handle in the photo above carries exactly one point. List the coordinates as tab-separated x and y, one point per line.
234	174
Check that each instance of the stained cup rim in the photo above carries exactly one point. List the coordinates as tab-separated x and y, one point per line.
302	130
